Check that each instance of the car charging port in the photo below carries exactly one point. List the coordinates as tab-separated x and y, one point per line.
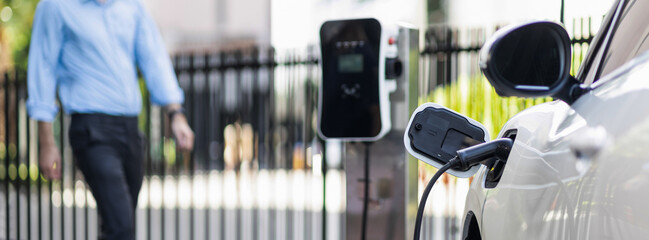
497	166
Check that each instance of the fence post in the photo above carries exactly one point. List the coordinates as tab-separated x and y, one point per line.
6	154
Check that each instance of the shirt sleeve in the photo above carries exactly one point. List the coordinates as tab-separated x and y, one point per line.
154	62
44	51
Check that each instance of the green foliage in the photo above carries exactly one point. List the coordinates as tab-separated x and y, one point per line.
477	99
15	25
474	97
144	114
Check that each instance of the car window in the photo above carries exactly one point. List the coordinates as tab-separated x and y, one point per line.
590	64
630	37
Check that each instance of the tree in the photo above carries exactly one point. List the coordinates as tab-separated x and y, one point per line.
15	32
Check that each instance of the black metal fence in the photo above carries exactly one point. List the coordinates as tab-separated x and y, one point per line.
258	170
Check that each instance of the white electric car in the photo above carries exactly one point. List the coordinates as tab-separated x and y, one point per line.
579	166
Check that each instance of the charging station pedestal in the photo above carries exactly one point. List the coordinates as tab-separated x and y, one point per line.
393	172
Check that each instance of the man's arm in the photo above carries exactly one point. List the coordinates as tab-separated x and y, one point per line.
181	130
44	52
154	62
49	157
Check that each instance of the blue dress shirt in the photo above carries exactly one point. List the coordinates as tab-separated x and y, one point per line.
90	50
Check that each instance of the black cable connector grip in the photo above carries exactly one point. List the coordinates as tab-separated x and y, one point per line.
477	154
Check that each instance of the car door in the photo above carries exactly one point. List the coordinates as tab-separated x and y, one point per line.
580	171
576	171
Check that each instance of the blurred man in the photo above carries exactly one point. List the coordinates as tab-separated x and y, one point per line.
89	50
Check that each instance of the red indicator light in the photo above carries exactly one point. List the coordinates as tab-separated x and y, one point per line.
391	40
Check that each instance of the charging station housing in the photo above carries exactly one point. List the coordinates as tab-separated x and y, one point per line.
354	102
390	88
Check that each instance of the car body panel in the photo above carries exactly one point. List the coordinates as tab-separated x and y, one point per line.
575	171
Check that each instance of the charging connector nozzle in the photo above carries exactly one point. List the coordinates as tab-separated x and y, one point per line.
483	152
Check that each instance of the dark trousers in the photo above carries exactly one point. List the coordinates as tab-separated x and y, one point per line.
109	151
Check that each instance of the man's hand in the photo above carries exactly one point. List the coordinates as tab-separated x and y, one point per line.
50	162
181	130
49	155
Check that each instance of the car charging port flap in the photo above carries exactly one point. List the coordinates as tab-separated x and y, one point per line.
438	133
435	133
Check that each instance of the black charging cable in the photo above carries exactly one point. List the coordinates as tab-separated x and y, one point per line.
424	196
465	159
366	189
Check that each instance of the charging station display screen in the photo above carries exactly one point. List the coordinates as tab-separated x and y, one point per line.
350	63
350	106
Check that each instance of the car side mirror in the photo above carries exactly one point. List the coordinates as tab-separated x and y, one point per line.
435	134
530	60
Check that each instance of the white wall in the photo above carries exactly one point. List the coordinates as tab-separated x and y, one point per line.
295	23
246	19
491	12
196	23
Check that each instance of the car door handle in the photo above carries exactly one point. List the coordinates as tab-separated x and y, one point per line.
588	142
